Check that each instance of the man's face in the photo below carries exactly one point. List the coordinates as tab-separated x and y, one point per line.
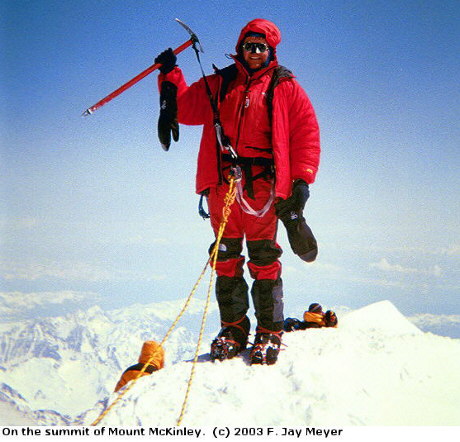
253	54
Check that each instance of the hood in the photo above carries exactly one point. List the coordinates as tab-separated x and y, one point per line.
271	31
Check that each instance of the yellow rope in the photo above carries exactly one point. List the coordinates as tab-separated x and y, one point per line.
229	200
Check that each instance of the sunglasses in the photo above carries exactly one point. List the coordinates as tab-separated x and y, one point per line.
256	48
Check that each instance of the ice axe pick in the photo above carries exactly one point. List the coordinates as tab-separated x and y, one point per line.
192	41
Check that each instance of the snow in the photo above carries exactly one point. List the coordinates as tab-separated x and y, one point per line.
9	414
382	316
376	369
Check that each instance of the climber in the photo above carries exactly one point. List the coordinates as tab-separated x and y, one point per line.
274	141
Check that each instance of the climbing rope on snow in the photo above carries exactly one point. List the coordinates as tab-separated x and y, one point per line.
229	200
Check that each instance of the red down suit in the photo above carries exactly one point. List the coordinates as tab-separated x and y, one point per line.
288	137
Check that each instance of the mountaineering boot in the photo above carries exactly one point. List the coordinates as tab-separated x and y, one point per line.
266	347
231	340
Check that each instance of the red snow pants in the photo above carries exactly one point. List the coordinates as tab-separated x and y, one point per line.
263	250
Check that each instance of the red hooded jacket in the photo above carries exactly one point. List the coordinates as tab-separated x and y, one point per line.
291	139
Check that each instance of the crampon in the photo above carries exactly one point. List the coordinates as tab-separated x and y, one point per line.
231	340
266	348
224	348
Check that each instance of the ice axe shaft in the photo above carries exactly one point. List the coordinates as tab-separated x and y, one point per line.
132	82
193	41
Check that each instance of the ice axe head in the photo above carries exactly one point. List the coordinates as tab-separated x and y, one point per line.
196	43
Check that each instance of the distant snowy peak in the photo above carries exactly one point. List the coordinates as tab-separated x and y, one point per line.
92	329
45	337
382	316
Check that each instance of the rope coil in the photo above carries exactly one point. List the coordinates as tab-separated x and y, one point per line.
226	211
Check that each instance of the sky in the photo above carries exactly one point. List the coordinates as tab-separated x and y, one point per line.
93	211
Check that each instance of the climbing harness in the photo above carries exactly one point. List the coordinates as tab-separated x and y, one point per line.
246	207
244	204
229	200
244	163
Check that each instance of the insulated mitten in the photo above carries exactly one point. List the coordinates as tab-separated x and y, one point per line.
167	59
290	212
167	122
303	242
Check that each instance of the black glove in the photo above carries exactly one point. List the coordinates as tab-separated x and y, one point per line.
167	59
167	122
296	202
330	319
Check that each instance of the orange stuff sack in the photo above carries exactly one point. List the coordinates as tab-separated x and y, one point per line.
317	318
151	353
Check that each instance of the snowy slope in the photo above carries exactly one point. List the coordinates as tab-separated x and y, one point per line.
377	368
15	410
9	413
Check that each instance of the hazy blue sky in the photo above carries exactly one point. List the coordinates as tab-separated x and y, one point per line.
94	211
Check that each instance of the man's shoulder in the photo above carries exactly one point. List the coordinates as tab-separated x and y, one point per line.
228	73
282	72
288	87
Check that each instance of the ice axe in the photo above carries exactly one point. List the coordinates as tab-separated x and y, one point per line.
193	41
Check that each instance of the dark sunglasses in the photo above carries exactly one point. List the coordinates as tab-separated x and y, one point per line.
255	47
